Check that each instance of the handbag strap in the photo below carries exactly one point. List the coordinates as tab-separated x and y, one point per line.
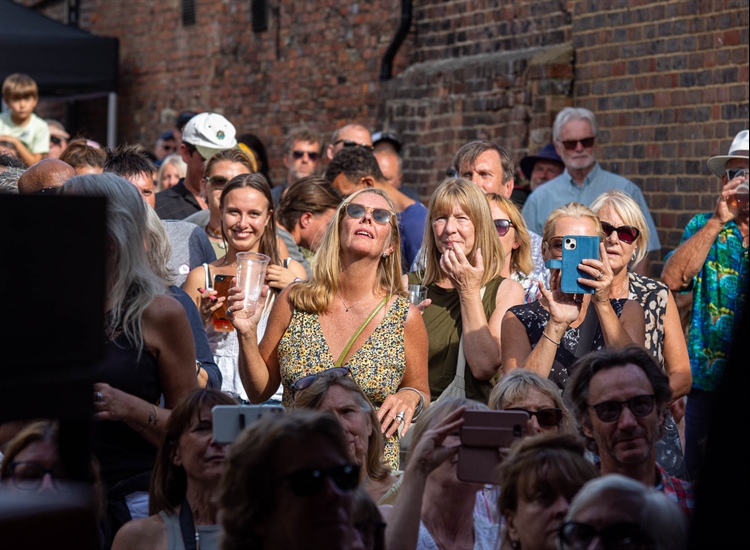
366	322
208	282
461	362
586	332
187	527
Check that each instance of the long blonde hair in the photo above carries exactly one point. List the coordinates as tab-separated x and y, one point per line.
520	258
465	194
316	295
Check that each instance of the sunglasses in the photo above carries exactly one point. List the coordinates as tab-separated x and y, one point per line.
28	475
547	418
357	211
55	140
306	483
217	182
626	233
350	143
572	144
609	411
312	155
307	381
619	536
502	226
736	173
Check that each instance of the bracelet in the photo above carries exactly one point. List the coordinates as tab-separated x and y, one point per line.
152	419
198	368
544	333
420	406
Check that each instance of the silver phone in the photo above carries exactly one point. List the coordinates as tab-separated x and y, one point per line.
230	420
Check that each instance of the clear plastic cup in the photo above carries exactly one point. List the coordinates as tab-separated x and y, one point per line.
251	275
417	294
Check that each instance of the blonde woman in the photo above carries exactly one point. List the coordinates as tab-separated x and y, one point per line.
171	171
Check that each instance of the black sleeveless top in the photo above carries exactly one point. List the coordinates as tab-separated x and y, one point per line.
534	317
121	451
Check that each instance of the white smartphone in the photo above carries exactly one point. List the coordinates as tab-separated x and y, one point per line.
230	420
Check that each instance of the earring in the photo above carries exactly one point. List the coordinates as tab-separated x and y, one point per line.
385	255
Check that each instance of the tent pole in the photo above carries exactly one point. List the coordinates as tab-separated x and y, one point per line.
111	119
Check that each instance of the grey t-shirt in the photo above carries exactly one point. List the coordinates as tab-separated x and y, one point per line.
190	248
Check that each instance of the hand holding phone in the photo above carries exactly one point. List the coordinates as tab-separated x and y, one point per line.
222	283
575	249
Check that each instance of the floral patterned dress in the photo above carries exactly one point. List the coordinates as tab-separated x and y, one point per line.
378	366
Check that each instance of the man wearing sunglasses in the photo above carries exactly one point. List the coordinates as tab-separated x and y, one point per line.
575	135
351	136
619	398
712	264
302	158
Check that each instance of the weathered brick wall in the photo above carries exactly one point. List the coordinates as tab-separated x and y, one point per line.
669	84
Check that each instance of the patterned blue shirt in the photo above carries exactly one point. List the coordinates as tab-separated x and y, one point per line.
719	295
562	190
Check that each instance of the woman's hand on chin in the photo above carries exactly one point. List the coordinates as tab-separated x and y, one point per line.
464	276
244	319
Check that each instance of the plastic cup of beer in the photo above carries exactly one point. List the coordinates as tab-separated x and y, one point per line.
251	275
417	294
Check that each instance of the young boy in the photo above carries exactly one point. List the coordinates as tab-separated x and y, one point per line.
19	125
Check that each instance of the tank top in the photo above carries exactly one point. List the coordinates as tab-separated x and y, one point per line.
209	534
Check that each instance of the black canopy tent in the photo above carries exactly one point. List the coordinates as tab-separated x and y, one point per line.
66	62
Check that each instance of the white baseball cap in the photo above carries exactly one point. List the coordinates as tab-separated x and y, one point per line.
209	133
738	150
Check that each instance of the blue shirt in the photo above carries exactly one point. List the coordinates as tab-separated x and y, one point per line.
562	190
719	296
411	227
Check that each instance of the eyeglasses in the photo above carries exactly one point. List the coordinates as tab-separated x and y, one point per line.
357	211
55	140
556	243
572	144
609	411
736	173
502	226
619	536
350	143
217	182
626	233
547	418
27	475
307	381
312	155
306	483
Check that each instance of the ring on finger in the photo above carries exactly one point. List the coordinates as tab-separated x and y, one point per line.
601	274
98	397
400	416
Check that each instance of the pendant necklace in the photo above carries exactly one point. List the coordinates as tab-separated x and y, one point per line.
351	306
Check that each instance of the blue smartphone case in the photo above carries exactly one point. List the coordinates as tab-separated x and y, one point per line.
575	249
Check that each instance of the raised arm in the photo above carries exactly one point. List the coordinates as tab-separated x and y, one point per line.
676	359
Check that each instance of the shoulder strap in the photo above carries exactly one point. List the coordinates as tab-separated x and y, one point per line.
366	322
461	361
187	527
586	332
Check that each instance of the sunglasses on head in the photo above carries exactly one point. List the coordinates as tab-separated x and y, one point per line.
217	182
306	483
547	418
502	226
640	405
350	143
619	536
357	211
736	173
571	144
626	233
312	155
307	381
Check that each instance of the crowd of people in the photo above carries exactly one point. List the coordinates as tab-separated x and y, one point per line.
377	385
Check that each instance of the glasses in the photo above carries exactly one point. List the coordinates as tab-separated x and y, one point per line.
556	243
619	536
572	144
502	226
217	182
626	233
27	475
307	381
306	483
609	411
736	173
357	211
547	418
350	143
55	140
312	155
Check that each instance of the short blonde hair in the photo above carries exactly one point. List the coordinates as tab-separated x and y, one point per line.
176	160
573	210
465	194
19	86
520	258
515	386
630	213
316	295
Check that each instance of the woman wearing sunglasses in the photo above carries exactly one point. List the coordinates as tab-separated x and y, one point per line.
548	335
353	312
247	225
523	250
627	236
334	391
467	291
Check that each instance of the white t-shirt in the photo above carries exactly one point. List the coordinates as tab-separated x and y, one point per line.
486	536
34	134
